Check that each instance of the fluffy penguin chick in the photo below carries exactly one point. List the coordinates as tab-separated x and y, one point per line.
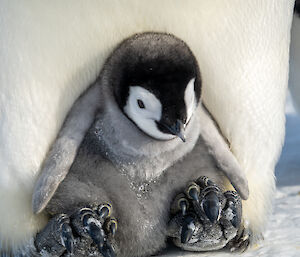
145	137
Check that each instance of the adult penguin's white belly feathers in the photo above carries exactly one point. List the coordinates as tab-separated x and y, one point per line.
50	52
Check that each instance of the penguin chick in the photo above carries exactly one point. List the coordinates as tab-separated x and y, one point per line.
145	136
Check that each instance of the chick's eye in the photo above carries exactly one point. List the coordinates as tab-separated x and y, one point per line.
141	104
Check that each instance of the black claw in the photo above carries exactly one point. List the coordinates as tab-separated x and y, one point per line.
234	203
97	234
245	246
107	250
193	193
94	229
104	211
113	227
67	237
188	229
204	181
211	206
183	206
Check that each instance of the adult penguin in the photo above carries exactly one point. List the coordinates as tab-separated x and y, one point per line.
51	52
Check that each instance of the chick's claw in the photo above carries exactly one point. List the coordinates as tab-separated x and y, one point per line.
241	242
67	237
57	236
188	229
212	218
87	230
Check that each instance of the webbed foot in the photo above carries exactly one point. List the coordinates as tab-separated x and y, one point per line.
87	231
205	218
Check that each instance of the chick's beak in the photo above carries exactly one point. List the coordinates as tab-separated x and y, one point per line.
176	129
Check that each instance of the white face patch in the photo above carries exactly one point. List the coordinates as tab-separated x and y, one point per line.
190	99
145	109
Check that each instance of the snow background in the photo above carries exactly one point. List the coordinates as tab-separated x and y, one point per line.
282	237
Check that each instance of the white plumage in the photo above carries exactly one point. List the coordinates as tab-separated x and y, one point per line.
51	51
